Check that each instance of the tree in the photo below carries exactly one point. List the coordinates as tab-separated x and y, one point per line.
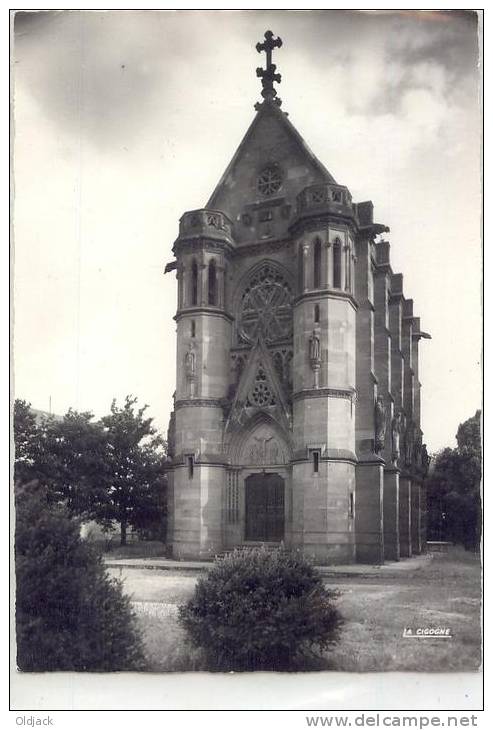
27	442
135	458
70	614
107	470
454	496
73	463
469	436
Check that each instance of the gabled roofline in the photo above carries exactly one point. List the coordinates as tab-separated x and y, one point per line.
268	108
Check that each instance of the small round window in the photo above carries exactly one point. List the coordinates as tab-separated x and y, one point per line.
270	180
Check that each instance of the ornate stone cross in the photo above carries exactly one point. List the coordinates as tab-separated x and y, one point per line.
268	74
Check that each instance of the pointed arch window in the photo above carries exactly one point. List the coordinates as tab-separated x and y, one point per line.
194	284
337	263
316	314
317	263
212	283
265	308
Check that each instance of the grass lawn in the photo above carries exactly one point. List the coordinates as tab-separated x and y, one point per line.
446	592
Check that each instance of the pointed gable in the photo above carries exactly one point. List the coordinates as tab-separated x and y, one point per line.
270	167
259	390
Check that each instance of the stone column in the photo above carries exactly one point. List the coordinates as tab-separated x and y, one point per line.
395	326
405	516
391	514
424	516
369	513
369	470
407	351
417	384
416	517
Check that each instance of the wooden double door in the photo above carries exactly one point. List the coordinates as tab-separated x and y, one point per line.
264	501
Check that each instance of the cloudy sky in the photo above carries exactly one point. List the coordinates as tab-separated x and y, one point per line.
124	120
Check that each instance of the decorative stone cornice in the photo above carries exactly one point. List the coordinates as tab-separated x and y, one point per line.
330	293
216	460
348	393
339	455
210	311
208	221
395	298
383	269
196	243
261	247
199	403
370	459
310	222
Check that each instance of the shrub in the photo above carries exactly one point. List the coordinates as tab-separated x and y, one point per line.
261	609
70	614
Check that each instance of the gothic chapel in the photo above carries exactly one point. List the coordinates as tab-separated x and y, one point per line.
297	407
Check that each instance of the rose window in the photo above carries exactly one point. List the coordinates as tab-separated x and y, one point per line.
266	307
260	394
269	181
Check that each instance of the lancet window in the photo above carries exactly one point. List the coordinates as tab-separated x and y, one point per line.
317	263
337	263
194	284
212	283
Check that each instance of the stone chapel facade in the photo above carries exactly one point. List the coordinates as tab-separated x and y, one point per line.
297	406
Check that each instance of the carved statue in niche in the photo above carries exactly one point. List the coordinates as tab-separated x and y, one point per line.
380	424
190	368
315	359
425	459
409	442
314	348
396	428
274	452
190	363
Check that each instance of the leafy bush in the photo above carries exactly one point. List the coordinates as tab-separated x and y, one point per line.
262	609
70	614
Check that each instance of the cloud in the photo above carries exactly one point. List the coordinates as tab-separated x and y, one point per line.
105	75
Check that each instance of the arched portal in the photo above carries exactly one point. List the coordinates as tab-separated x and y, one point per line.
264	508
260	455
